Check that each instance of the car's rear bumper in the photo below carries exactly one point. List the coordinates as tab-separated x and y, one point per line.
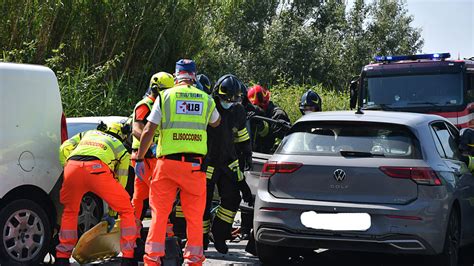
406	244
416	228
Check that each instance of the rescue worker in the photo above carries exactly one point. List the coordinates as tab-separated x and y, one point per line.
96	161
223	161
181	114
245	161
466	146
177	217
158	82
266	136
310	102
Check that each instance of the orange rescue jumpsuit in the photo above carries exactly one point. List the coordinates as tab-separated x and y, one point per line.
95	160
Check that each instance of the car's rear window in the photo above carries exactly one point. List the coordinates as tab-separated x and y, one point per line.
342	138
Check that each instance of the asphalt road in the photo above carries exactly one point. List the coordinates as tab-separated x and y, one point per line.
238	257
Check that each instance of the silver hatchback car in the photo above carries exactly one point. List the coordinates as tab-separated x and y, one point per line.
378	182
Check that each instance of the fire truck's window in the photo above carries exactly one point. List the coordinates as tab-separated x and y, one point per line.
470	88
415	90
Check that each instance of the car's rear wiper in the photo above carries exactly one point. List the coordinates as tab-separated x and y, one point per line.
426	103
437	105
360	154
380	106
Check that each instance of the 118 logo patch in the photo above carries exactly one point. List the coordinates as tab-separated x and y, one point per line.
189	107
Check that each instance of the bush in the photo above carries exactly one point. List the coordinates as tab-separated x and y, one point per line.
288	97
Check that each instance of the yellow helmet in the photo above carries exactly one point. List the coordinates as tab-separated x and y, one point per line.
118	129
162	80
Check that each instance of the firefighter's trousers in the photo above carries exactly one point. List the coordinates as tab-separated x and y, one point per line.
171	174
81	177
230	200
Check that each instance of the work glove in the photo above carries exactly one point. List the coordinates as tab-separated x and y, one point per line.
248	163
153	149
140	170
110	221
246	193
250	114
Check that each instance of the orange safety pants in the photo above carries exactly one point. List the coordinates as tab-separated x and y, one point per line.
168	177
95	176
141	189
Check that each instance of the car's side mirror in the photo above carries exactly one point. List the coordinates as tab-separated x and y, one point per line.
353	93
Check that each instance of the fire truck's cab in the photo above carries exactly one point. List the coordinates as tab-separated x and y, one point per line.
426	83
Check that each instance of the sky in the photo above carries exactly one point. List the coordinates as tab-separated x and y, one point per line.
447	25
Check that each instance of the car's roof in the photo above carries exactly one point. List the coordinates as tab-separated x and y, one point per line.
95	119
403	118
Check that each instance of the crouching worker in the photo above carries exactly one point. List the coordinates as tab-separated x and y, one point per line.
96	161
466	147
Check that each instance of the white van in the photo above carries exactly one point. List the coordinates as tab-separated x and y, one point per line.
32	127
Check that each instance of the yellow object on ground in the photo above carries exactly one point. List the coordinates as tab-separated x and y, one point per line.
96	244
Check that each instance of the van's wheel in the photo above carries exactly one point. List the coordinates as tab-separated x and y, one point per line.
90	213
450	255
26	233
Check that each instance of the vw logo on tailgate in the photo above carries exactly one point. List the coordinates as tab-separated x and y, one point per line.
339	175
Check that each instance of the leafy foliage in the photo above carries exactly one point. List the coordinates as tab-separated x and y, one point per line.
287	96
104	52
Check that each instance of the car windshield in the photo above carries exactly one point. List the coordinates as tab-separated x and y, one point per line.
349	139
413	91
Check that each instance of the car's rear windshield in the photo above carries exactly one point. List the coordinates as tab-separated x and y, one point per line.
349	139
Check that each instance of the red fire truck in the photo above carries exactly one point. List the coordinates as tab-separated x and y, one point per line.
426	83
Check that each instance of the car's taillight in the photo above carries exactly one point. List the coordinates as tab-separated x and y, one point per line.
63	128
271	168
421	175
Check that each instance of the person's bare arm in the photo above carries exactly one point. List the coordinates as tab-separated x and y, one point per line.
138	129
215	124
146	139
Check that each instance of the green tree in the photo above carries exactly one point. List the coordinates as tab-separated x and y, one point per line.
390	29
104	52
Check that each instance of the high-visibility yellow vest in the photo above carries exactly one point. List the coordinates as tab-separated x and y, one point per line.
185	113
470	166
149	103
99	144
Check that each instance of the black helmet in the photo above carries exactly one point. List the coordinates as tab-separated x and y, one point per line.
312	99
466	141
228	88
244	89
205	83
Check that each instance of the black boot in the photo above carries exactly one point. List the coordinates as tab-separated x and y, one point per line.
205	241
139	250
250	248
128	262
221	231
62	262
220	245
